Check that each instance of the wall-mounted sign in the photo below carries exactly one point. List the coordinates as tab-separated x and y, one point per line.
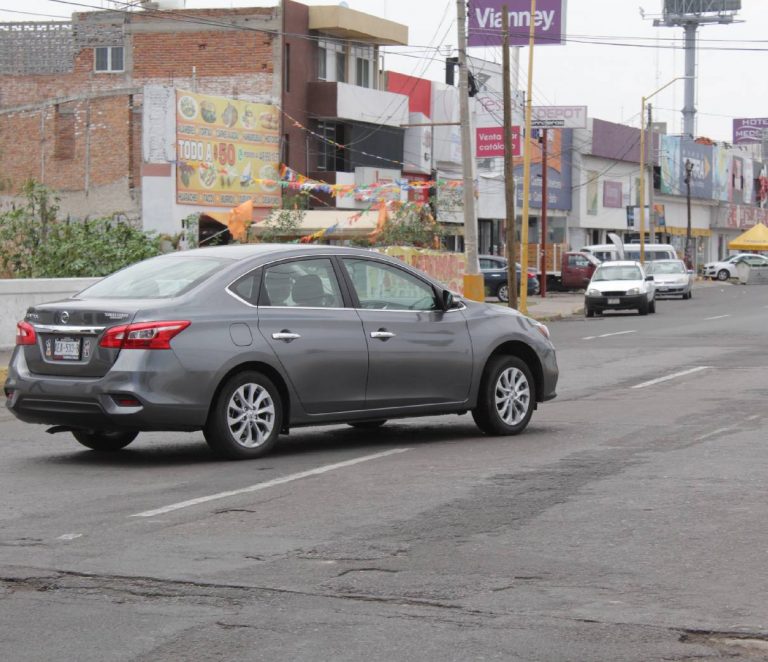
559	117
484	24
749	130
490	142
227	151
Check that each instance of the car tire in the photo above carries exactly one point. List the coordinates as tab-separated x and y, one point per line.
502	292
246	417
589	312
105	440
367	425
507	397
690	294
652	306
643	309
723	274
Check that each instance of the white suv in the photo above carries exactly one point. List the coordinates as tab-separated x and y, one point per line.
620	285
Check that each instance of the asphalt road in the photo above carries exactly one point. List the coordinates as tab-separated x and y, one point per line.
627	523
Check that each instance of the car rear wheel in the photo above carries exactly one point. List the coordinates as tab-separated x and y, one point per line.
502	292
367	425
507	397
246	418
105	440
723	274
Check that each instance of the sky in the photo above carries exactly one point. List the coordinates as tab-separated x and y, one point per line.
613	56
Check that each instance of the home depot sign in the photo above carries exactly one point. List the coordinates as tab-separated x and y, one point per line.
559	117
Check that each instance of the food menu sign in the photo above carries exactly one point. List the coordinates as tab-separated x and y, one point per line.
227	151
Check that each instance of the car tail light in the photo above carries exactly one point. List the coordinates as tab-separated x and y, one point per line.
144	335
25	334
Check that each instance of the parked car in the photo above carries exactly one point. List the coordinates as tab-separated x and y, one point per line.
671	278
494	270
620	285
247	341
726	269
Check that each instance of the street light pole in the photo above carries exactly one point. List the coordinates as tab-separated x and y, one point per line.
642	163
688	171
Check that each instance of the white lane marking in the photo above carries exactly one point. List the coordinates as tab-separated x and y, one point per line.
268	484
70	536
718	317
607	335
714	433
672	376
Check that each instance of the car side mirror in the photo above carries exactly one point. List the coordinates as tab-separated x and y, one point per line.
447	300
691	271
650	277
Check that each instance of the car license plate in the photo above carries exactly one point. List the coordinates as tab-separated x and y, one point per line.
614	302
66	349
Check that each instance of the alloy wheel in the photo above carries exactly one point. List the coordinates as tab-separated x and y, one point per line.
513	396
250	415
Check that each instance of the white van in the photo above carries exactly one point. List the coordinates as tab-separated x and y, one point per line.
608	252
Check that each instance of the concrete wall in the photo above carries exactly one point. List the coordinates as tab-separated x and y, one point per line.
17	294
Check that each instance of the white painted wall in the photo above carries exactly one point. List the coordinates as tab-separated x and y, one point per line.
18	294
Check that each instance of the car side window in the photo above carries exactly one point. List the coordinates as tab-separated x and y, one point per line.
381	286
485	263
247	287
301	284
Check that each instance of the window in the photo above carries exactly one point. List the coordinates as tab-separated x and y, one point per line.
363	65
287	68
322	61
301	284
341	65
330	156
64	139
108	58
380	286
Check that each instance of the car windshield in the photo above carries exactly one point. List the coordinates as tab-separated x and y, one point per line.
617	272
666	268
157	278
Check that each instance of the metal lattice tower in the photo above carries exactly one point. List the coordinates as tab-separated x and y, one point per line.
690	14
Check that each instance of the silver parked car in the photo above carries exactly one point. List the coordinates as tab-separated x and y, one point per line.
246	342
671	278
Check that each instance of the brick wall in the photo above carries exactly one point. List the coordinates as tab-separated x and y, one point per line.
74	144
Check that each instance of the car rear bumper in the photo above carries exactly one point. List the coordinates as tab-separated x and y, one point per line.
94	403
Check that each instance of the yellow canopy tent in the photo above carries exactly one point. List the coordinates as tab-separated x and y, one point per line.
754	239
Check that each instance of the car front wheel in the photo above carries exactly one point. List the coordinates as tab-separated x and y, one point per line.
502	292
507	397
723	274
246	417
105	440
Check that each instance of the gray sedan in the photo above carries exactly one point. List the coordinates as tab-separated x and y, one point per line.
246	342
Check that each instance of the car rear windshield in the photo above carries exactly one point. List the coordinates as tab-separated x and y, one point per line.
158	278
666	268
612	272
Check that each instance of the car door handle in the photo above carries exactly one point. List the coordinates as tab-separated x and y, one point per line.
285	335
382	334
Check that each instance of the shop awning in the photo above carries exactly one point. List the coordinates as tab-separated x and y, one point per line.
682	232
754	239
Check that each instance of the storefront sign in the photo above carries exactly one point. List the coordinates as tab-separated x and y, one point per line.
485	22
227	151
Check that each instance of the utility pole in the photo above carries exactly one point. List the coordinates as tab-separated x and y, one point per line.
688	171
527	166
651	213
544	145
509	166
473	279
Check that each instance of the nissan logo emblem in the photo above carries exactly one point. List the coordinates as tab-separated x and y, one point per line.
64	317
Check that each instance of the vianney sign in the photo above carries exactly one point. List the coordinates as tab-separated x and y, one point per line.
227	151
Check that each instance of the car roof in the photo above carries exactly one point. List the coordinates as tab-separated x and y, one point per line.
247	251
621	263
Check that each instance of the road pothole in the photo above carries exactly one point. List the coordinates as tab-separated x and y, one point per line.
729	643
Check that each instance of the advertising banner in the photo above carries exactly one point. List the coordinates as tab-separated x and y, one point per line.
227	151
612	195
722	174
490	142
702	175
748	131
559	174
484	22
669	159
